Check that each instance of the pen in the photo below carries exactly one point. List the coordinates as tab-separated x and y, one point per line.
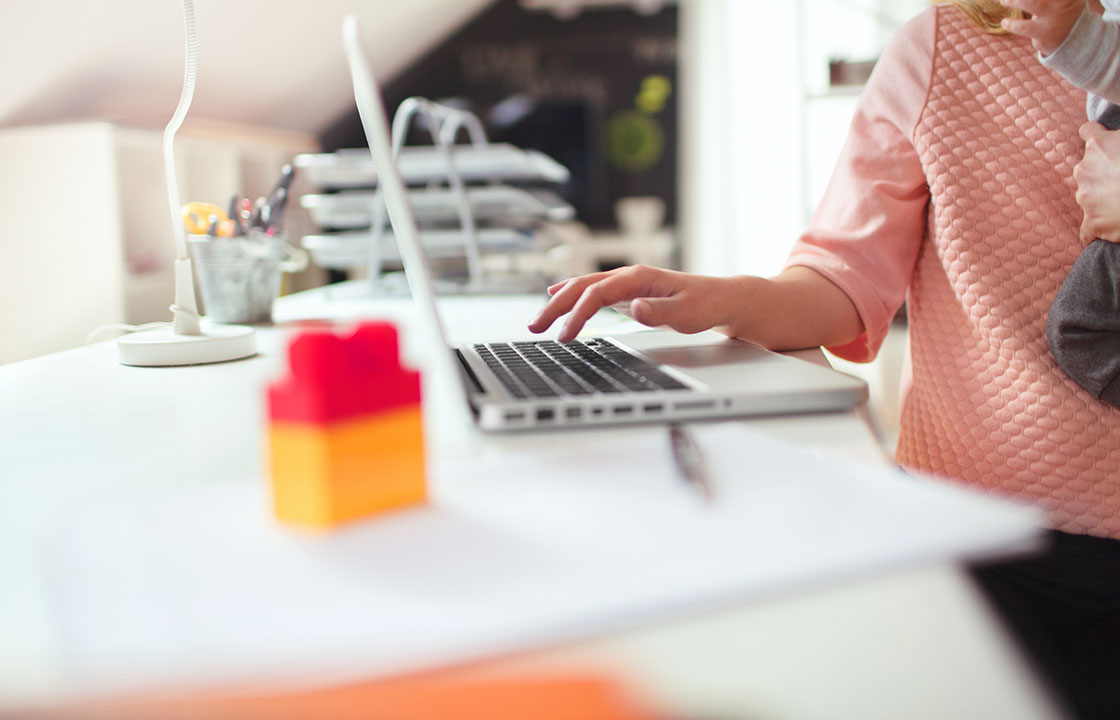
268	214
245	214
235	205
255	216
275	208
689	460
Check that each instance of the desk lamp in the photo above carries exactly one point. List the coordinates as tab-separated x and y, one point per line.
187	341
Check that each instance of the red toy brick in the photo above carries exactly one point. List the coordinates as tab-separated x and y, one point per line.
334	377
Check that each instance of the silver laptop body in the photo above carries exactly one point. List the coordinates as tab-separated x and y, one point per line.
651	376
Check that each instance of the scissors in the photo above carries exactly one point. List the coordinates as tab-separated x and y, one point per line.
200	218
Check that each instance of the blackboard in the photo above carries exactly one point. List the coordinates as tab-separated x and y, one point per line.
597	92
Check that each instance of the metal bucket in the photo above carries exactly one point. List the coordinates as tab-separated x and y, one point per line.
240	276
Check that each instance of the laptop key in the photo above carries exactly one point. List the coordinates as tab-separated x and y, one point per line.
549	369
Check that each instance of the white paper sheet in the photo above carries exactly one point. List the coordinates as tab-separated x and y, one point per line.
200	585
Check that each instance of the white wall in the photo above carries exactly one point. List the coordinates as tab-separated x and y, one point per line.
61	254
740	134
267	63
761	128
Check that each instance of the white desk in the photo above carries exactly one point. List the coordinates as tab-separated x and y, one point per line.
76	426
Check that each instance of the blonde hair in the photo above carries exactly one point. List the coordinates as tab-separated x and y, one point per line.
986	13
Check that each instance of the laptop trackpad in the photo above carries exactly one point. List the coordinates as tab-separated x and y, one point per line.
725	353
719	362
706	349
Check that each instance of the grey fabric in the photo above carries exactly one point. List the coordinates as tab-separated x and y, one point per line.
1083	328
1109	116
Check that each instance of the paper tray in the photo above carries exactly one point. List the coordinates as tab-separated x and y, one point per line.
495	204
346	250
353	168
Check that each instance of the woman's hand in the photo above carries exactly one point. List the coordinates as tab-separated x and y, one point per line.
684	302
1098	183
798	308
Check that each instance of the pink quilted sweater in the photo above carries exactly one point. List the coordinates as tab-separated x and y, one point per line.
955	193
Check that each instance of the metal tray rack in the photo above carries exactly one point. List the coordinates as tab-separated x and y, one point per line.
456	220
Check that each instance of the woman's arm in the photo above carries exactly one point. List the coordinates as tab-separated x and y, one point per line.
799	308
847	274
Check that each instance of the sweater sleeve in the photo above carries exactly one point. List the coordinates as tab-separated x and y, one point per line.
868	227
1090	56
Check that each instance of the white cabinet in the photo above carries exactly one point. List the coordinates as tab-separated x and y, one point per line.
85	227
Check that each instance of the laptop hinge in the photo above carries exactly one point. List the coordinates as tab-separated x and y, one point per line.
476	386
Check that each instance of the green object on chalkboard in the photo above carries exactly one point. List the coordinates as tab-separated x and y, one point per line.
655	91
635	141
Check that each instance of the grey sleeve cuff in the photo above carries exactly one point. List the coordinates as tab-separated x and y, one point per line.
1090	56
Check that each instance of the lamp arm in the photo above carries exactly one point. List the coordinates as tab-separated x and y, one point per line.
185	309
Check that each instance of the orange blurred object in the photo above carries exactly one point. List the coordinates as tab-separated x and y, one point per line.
537	698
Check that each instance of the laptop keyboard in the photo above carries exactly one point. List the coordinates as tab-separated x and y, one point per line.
547	368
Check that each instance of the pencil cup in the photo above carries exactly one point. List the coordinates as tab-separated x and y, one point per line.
240	276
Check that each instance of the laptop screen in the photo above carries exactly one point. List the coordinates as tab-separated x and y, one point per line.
375	123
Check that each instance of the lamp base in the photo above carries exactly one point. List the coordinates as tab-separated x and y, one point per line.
160	347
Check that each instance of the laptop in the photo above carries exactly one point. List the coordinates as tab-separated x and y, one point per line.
654	376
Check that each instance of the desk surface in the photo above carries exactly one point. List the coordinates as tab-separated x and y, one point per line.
77	426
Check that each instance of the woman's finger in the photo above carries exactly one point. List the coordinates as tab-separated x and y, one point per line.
563	299
614	288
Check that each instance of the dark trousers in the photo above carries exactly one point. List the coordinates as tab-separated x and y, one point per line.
1063	606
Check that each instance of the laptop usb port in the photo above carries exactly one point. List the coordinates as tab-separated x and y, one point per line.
515	416
545	415
572	413
653	408
623	410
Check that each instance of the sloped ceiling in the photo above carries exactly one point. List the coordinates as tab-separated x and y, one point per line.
274	63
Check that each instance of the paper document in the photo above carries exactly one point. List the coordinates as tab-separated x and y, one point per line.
514	551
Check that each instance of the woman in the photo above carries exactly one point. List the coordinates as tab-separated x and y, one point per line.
955	193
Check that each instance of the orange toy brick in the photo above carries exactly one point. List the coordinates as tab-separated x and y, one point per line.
345	429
